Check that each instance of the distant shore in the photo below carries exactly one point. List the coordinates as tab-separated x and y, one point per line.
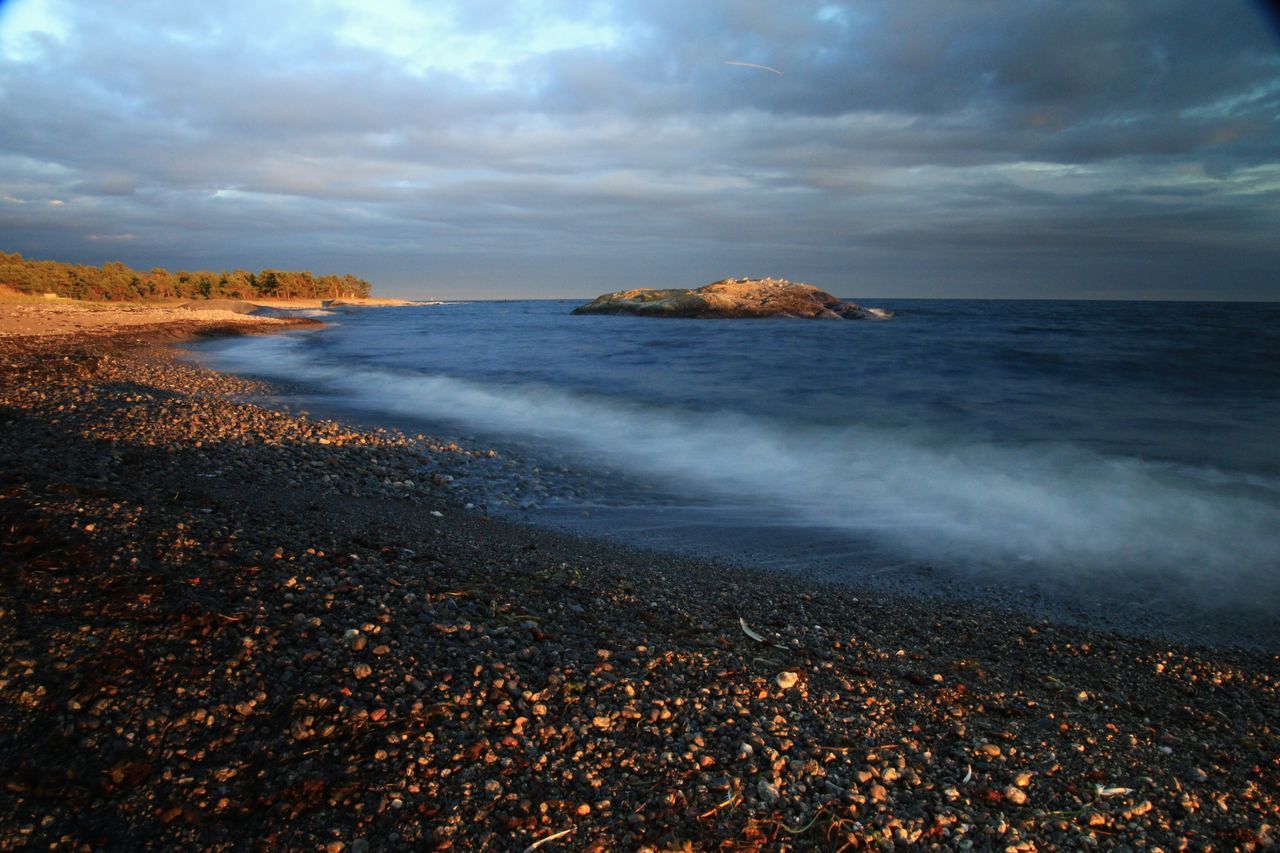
22	316
222	624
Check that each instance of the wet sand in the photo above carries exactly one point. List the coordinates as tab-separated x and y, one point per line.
227	626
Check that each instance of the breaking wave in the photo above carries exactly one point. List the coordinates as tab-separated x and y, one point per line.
1061	508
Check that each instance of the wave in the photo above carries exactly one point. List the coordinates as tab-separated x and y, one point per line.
1059	508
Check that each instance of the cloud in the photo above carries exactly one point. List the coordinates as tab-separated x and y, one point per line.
924	147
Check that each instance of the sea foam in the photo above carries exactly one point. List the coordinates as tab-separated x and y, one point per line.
1053	509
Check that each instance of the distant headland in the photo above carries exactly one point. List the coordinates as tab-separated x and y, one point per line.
734	298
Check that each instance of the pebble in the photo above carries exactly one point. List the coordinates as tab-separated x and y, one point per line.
787	679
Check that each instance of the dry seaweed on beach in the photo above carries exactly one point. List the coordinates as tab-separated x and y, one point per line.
222	625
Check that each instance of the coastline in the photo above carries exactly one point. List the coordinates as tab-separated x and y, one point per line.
29	316
225	623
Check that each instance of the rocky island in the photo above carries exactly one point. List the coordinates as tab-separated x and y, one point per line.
733	298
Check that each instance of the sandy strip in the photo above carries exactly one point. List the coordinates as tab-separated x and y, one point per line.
67	317
28	316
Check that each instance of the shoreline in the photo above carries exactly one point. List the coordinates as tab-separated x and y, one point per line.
226	623
32	317
1185	587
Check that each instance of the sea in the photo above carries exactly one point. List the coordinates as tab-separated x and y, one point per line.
1114	464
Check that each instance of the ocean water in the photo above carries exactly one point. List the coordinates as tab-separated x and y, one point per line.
1115	463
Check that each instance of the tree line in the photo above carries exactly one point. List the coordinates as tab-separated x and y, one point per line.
115	282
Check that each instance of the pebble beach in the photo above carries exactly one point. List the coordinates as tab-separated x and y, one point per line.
225	626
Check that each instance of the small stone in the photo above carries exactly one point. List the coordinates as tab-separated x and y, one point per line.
1022	780
584	810
334	847
362	670
1015	795
767	792
787	679
355	639
493	787
878	793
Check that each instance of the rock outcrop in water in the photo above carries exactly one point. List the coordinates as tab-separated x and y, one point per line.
735	298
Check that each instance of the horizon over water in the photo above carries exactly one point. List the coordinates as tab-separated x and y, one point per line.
1101	461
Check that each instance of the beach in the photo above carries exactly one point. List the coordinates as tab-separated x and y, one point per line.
34	316
227	625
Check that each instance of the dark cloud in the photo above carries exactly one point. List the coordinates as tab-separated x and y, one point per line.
995	148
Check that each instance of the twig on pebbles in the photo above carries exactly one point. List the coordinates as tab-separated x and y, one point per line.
552	837
731	801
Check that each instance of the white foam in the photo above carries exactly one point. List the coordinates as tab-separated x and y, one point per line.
1060	508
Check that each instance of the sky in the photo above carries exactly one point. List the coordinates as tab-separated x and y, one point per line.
518	148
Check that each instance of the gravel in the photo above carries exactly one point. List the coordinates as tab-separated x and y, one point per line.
224	626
